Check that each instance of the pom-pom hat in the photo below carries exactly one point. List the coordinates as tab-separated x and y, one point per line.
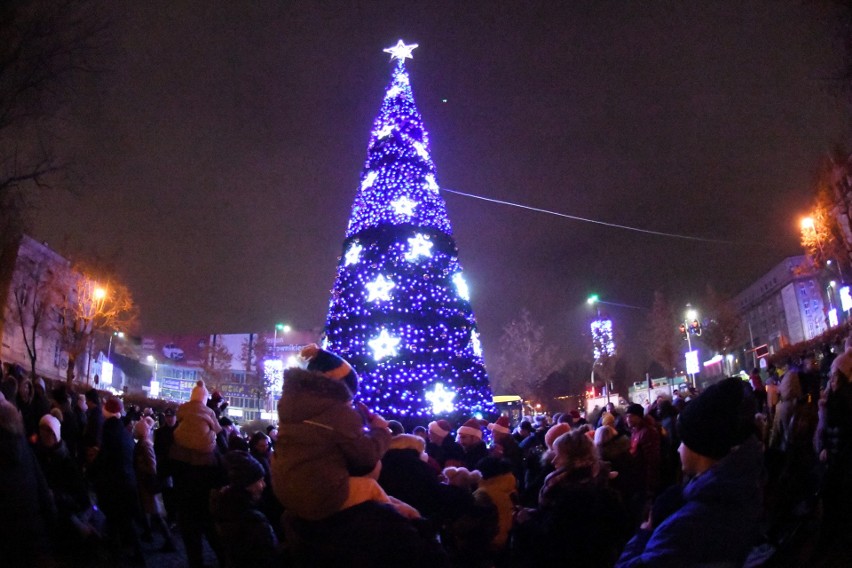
554	432
471	427
199	392
501	426
331	365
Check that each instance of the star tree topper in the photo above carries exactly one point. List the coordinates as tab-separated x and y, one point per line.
401	51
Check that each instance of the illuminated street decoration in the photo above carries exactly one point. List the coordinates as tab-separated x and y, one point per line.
602	342
400	309
273	374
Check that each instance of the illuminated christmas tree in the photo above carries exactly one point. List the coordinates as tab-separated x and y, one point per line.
400	309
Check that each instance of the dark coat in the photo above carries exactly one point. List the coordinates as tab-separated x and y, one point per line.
405	476
368	535
718	523
245	533
112	471
581	522
65	479
447	451
24	491
473	455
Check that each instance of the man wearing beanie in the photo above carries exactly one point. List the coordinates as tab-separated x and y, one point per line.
441	447
722	460
325	445
247	537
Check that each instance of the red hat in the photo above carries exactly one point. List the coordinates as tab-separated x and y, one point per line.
554	432
501	426
440	427
113	407
472	428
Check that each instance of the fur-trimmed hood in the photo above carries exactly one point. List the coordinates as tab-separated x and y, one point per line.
308	393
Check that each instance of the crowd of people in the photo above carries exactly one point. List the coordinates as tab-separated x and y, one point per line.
746	473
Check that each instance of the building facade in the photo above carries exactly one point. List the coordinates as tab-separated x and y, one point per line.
787	305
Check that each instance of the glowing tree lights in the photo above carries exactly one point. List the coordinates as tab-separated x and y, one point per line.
400	308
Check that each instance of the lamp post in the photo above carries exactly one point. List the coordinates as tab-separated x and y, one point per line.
690	326
118	334
283	328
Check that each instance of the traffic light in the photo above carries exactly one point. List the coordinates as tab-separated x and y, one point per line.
683	331
695	328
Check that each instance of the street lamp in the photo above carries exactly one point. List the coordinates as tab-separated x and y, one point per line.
808	224
118	334
283	328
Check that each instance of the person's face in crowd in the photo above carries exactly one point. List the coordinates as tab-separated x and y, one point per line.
255	490
273	434
688	460
46	437
559	459
610	407
262	445
435	438
634	421
171	420
468	441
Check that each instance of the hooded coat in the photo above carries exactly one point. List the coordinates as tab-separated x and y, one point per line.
723	506
196	429
321	443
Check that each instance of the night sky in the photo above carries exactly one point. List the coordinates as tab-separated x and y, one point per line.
222	150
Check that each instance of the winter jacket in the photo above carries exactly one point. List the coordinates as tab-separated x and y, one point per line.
581	523
196	428
718	523
245	533
473	455
503	493
321	443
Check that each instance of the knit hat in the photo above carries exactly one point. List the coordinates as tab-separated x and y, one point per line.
330	365
142	428
843	363
719	419
51	422
113	408
199	392
554	432
440	427
243	470
471	427
636	410
607	419
501	426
